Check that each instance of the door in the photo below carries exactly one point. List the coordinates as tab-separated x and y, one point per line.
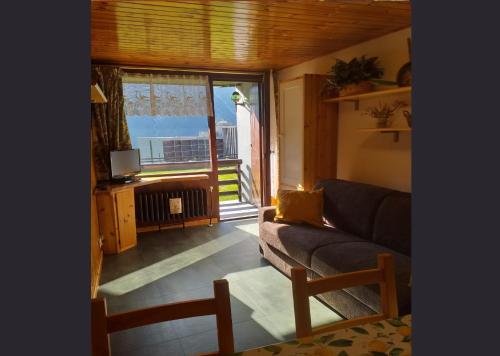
291	133
239	127
125	208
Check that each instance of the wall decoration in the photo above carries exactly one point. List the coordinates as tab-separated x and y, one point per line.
383	112
407	115
404	74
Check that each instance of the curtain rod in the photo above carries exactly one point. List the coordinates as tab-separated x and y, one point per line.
131	67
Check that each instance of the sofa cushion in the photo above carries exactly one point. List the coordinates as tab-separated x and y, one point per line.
296	206
300	241
351	206
392	227
354	256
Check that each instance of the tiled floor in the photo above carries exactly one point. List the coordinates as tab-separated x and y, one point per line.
175	265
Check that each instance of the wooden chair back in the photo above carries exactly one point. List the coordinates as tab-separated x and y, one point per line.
104	324
383	275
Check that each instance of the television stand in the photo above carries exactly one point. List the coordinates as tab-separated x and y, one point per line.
125	180
116	209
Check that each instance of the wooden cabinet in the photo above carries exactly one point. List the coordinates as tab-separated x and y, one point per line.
307	133
125	208
117	219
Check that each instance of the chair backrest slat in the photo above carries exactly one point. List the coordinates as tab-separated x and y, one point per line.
344	280
103	324
159	314
383	275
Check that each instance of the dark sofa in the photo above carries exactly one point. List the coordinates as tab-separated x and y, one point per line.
365	220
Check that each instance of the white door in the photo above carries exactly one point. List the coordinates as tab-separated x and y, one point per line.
291	133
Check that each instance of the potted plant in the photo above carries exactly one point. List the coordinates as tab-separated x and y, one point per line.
383	112
355	77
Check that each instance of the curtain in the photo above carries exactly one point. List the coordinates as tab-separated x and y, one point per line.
108	123
167	95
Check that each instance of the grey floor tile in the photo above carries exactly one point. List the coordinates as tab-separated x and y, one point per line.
168	348
128	340
200	343
192	326
250	334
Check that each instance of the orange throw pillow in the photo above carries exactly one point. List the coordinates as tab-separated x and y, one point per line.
296	206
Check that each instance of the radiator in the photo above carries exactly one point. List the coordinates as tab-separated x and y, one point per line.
152	208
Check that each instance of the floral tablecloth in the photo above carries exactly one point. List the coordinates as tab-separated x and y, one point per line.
391	337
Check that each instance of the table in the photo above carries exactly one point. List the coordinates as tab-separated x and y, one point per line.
391	337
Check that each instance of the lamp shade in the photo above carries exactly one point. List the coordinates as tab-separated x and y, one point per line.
96	95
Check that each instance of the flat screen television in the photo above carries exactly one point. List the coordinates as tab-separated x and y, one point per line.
125	164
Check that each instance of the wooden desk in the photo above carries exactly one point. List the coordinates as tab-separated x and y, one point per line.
116	210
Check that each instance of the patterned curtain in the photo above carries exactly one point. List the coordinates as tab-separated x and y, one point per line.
167	95
109	125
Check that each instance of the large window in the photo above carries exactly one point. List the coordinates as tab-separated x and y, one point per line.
167	117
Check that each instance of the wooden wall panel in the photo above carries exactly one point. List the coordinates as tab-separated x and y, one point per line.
320	133
237	35
95	249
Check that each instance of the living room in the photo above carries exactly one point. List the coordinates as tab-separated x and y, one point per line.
169	137
258	185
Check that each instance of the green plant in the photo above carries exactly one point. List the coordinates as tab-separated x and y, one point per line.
355	71
384	110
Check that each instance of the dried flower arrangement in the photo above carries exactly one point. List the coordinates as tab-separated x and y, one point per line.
383	112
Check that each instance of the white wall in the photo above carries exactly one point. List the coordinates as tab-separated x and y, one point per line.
369	157
244	151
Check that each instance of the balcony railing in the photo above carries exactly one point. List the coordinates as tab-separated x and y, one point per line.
225	166
234	168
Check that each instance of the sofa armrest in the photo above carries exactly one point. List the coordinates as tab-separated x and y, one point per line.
267	213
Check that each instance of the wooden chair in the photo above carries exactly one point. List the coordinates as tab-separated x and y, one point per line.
383	275
103	324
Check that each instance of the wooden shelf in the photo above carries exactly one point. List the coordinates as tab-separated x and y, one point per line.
394	130
145	180
372	94
386	129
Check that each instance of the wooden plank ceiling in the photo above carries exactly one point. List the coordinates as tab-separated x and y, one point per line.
235	35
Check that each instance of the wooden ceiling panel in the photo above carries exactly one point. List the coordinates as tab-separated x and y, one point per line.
236	35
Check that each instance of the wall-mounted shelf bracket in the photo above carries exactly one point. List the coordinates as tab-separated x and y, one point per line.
394	131
395	135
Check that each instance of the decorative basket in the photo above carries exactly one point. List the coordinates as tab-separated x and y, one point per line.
356	88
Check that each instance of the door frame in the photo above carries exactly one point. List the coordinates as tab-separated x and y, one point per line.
262	79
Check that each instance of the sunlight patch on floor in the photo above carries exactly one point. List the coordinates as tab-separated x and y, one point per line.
251	228
269	294
170	265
